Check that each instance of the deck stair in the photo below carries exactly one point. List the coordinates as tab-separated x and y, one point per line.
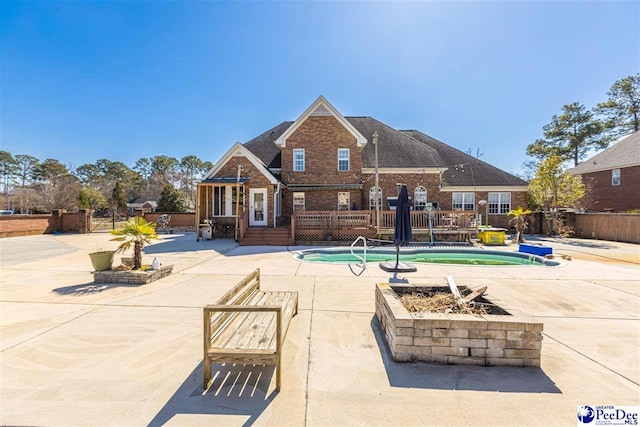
266	236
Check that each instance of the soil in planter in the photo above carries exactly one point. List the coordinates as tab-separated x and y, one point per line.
439	301
125	267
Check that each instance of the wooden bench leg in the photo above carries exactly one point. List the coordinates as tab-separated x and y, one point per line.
279	372
279	345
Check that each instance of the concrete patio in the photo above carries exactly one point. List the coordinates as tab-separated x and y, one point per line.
75	353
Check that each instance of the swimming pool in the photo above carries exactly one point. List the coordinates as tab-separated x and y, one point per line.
423	255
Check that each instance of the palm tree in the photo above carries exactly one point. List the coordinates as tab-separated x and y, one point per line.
137	232
519	222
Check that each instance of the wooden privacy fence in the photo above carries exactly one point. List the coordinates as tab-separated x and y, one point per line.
618	227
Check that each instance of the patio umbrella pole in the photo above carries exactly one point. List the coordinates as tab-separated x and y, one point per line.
402	232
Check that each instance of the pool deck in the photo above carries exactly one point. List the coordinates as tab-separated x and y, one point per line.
75	353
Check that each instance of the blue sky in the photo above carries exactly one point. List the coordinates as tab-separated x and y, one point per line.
81	81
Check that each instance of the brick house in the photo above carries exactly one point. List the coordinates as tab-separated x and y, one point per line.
324	162
612	177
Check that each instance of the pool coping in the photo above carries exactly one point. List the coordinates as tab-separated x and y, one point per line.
542	261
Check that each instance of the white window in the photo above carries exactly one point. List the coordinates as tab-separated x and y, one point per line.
344	202
463	201
234	190
499	203
615	177
219	208
224	200
419	198
372	198
343	159
298	159
298	201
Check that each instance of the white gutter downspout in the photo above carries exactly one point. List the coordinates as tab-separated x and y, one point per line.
276	196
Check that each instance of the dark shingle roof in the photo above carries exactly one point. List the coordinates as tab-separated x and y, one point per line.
463	169
395	149
264	148
626	152
400	149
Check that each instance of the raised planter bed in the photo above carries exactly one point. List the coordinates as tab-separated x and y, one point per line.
509	339
131	277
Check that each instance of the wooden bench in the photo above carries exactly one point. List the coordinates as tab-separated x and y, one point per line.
248	326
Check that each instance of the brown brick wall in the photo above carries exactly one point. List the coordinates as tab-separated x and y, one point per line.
257	180
321	137
59	220
74	222
320	200
388	184
24	225
601	195
178	219
518	199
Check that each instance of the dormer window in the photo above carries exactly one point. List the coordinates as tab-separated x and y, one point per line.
298	159
343	159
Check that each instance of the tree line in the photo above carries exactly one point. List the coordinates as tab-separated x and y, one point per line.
568	138
32	186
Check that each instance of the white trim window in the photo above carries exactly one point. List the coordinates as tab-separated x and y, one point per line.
343	160
499	203
419	198
298	159
219	201
298	201
463	201
615	177
372	198
344	201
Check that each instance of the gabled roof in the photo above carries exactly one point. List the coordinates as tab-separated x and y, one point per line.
625	153
401	149
264	147
466	170
240	150
321	107
142	199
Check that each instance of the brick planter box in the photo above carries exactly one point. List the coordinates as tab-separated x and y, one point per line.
131	277
511	339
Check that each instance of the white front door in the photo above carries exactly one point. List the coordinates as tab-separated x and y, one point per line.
257	207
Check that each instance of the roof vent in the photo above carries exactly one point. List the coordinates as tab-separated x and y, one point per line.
321	111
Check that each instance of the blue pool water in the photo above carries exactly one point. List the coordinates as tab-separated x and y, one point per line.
424	255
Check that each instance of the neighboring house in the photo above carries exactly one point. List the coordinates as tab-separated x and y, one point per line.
612	177
324	161
142	202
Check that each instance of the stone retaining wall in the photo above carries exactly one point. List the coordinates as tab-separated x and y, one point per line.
132	277
491	340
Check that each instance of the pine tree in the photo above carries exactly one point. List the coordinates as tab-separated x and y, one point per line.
171	200
622	109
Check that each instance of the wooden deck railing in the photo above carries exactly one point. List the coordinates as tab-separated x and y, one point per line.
451	220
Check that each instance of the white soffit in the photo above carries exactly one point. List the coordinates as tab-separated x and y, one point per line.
323	108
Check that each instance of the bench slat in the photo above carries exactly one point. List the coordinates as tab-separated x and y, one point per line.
289	309
259	332
228	330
